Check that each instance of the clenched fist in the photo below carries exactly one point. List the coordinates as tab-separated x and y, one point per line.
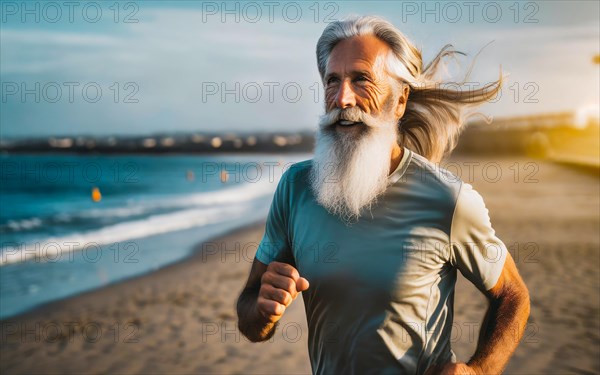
280	285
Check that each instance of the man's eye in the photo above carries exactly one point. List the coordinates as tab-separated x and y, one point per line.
332	80
361	79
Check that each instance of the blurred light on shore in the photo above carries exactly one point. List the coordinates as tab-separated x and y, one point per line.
251	140
167	142
586	115
61	142
149	142
216	142
196	138
280	141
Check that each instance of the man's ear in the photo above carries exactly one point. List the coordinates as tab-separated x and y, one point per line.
402	100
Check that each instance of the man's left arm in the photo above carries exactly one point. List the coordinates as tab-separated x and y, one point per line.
502	328
484	259
504	322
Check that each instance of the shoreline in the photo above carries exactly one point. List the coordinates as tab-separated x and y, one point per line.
195	253
179	319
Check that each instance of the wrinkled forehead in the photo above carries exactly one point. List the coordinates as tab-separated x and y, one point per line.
357	53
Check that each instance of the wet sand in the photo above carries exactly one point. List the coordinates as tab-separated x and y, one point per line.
181	319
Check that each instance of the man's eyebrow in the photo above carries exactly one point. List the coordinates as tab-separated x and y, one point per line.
361	73
331	75
353	73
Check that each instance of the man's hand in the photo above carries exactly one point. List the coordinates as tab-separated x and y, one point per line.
458	368
268	292
280	285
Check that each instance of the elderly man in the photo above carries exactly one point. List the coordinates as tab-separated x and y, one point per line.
372	231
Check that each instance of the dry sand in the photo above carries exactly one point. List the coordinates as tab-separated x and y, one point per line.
181	319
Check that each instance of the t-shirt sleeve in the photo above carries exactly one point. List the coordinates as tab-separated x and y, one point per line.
475	249
275	244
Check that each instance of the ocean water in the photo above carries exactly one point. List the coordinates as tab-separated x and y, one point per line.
69	224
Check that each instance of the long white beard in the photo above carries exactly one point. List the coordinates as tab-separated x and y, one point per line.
350	171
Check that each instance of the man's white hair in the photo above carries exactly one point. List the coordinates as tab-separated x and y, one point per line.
434	115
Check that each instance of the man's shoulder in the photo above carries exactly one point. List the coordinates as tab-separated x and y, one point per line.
450	187
301	166
433	174
298	172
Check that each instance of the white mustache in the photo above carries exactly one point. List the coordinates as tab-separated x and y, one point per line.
354	114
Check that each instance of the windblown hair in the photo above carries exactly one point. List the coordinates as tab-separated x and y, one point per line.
434	114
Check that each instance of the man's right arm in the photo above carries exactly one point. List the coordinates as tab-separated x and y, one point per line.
270	289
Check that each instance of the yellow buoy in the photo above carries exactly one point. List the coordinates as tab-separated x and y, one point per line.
190	175
224	176
96	195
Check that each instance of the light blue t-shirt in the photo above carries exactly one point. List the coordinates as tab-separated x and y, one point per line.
382	289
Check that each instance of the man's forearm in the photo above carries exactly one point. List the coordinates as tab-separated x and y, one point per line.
251	323
501	331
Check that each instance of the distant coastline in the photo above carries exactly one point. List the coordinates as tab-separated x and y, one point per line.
200	143
564	137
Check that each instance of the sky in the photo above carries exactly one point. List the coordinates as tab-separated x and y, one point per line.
147	67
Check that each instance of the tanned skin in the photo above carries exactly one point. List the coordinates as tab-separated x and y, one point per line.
355	76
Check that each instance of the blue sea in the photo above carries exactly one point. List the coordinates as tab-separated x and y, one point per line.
69	223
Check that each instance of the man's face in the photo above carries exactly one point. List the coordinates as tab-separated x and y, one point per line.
358	131
356	77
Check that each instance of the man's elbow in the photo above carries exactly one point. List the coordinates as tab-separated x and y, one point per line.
249	324
243	323
252	336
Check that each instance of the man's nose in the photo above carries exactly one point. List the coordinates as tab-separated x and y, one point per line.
345	96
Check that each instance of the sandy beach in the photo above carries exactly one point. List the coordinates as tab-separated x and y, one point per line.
181	318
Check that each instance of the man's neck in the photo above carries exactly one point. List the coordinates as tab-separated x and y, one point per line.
397	153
